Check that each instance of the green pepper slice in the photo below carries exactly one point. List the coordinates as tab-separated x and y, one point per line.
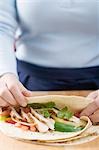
61	127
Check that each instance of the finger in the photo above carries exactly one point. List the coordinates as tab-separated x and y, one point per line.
25	91
97	100
16	92
91	108
3	103
6	95
95	117
93	95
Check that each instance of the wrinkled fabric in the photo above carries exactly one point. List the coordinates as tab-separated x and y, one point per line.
38	78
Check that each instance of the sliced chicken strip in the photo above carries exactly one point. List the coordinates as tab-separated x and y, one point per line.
23	123
42	127
15	114
78	121
49	122
25	116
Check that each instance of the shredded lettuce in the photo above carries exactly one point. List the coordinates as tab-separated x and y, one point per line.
46	113
42	105
65	113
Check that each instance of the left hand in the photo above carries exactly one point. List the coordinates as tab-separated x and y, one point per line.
92	110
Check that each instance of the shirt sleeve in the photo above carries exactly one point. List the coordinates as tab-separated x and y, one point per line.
8	26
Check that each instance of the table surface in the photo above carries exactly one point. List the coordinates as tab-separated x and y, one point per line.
7	143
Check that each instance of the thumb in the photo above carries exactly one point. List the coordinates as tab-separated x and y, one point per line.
93	95
25	91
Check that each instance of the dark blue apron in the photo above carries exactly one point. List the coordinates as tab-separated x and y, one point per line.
38	78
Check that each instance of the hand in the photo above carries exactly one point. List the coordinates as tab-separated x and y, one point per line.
12	92
92	110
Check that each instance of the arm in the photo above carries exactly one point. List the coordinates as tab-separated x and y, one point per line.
12	91
8	26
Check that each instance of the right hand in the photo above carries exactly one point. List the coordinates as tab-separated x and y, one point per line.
12	92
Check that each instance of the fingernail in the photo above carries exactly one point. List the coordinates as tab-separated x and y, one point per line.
27	93
24	104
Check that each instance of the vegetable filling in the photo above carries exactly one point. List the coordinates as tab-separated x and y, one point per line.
42	117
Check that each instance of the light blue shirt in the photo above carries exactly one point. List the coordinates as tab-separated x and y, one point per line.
53	33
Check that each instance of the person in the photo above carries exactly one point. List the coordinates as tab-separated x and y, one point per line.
49	45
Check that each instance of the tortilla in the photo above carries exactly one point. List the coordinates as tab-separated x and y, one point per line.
74	103
89	135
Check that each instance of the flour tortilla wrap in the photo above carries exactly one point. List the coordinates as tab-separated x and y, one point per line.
74	103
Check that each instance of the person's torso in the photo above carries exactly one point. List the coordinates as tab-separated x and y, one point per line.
58	33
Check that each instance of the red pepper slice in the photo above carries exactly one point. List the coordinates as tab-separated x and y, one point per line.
9	120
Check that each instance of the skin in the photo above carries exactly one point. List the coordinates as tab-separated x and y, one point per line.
12	92
92	110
